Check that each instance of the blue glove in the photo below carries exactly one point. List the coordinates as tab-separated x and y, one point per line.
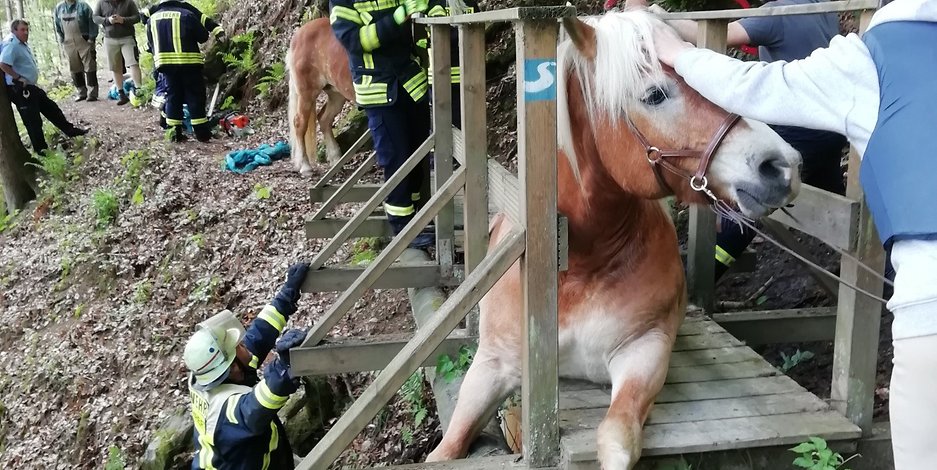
286	299
287	341
278	378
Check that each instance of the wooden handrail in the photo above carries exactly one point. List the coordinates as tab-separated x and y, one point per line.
807	9
509	14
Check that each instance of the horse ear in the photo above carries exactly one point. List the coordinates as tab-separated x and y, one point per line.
583	36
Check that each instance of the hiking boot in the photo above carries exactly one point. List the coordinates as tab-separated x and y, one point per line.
123	98
92	98
178	135
424	240
75	132
81	98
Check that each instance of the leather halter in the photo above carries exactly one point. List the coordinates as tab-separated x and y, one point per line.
657	157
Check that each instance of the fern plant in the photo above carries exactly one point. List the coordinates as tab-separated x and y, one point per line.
276	74
241	54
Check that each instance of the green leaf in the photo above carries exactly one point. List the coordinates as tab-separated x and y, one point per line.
818	442
261	191
761	300
803	448
419	416
137	197
802	462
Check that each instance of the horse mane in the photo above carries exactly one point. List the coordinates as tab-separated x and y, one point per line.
625	59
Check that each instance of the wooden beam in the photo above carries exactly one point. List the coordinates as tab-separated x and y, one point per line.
536	152
442	127
357	193
805	9
398	276
786	238
507	14
384	260
361	354
339	194
822	214
424	342
365	210
475	151
371	227
780	326
347	157
855	356
701	241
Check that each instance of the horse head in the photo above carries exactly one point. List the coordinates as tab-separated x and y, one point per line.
625	117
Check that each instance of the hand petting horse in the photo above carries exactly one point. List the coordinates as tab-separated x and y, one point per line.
317	62
630	131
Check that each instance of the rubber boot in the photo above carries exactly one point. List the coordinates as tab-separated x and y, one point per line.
91	79
178	134
79	80
425	239
202	132
123	97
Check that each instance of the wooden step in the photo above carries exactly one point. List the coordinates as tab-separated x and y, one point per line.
357	193
360	354
500	462
398	276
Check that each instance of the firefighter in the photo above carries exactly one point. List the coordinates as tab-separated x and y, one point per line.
235	413
77	31
174	30
392	88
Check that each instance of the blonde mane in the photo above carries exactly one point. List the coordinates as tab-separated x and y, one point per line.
625	62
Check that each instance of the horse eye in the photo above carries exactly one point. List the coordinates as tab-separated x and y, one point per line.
655	96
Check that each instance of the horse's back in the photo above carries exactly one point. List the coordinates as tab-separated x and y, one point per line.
316	54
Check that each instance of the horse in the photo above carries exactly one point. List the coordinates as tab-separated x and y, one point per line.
317	63
623	296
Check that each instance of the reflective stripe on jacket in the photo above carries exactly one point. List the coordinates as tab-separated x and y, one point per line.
174	31
380	51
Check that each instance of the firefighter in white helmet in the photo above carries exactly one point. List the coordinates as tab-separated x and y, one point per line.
235	413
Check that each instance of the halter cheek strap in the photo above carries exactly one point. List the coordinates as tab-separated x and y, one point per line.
657	158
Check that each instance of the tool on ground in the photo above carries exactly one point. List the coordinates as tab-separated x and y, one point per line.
214	99
234	124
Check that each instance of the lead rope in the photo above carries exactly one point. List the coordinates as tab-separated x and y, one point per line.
723	209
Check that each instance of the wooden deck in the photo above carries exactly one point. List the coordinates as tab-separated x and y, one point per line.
719	395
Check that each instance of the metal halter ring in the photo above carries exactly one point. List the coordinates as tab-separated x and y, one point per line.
703	182
651	151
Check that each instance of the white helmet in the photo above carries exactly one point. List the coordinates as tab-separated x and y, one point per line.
209	354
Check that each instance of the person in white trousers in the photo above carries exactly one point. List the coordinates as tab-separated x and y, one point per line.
879	91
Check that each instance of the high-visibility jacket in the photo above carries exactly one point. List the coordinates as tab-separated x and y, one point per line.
441	8
236	427
174	29
380	51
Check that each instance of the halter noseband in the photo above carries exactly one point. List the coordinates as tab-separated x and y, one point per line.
657	157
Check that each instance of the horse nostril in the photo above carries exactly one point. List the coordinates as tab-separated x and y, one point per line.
774	167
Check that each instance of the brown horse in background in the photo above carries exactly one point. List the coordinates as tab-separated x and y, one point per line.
317	62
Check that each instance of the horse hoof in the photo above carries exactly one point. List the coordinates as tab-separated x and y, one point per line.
306	172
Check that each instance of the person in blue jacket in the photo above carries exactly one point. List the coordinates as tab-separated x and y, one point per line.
880	94
235	413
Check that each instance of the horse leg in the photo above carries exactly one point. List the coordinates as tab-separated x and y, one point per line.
301	106
638	372
488	382
326	120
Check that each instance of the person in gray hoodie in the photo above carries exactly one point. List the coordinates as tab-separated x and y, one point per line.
877	90
118	17
76	30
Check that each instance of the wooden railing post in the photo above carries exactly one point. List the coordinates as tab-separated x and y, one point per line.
701	241
858	318
536	152
442	127
475	137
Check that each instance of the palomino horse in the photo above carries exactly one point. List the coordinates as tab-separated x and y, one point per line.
623	296
317	62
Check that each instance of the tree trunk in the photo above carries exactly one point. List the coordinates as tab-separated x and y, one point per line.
20	11
17	178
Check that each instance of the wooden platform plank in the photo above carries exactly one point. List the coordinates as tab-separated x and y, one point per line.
478	463
396	277
704	410
731	433
690	328
709	341
730	388
704	357
739	370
